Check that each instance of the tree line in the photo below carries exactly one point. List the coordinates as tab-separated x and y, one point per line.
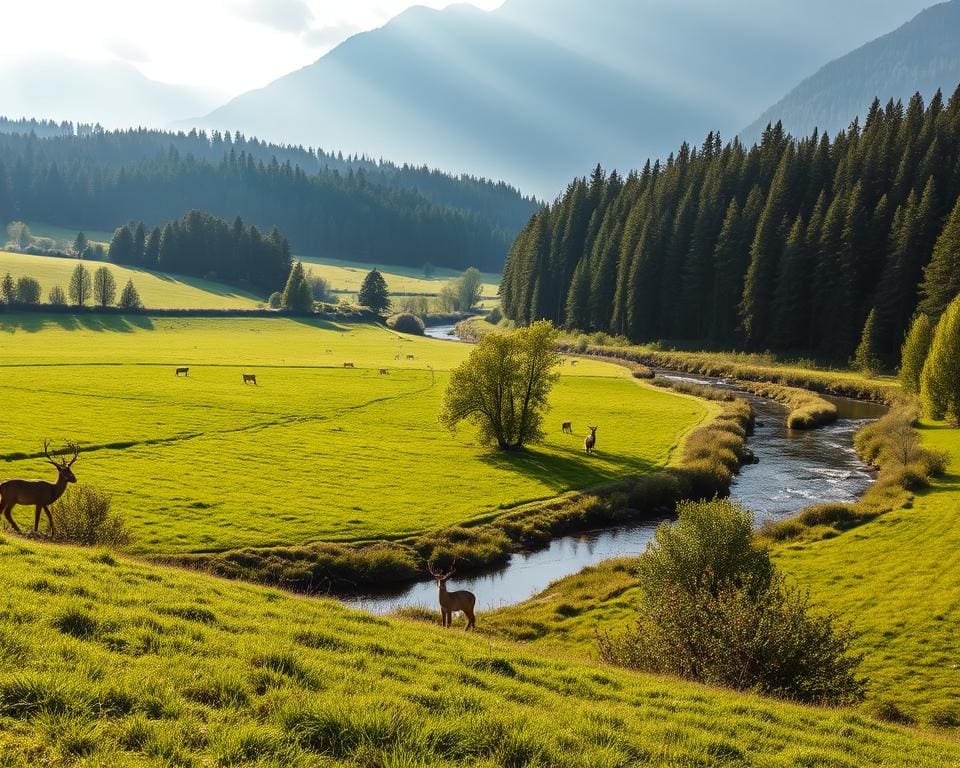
329	205
792	245
203	245
100	286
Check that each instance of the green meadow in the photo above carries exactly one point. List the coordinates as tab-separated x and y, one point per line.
157	290
316	451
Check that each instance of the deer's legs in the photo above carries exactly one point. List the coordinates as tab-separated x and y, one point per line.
36	518
49	519
6	513
471	620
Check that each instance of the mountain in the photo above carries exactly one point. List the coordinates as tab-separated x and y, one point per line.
538	91
112	93
922	55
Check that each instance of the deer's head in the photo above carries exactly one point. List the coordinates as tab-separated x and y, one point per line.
62	465
440	577
593	430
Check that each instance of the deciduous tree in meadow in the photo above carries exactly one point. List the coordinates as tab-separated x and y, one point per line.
503	386
104	287
80	286
940	380
56	297
469	289
28	290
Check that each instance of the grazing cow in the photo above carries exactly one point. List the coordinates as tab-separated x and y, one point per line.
411	357
573	363
384	372
396	356
568	427
184	371
348	365
590	441
329	351
249	378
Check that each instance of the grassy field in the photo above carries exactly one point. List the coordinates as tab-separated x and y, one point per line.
896	580
315	452
348	276
108	662
157	290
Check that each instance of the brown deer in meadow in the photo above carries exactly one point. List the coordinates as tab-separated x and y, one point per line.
450	602
590	441
568	427
384	372
249	378
38	493
348	365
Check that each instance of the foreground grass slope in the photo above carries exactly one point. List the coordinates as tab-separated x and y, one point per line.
107	662
896	580
316	452
157	290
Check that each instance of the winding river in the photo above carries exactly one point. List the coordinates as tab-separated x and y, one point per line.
795	468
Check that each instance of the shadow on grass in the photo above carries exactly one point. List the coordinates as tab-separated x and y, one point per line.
34	323
566	468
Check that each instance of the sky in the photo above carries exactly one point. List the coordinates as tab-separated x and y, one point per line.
223	47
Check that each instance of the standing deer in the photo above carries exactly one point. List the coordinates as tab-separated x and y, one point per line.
568	427
451	602
39	493
590	440
249	378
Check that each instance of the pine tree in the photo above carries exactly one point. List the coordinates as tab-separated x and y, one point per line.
138	254
940	379
104	287
913	353
8	289
80	245
129	297
121	247
792	297
865	358
151	250
373	292
80	286
296	295
941	278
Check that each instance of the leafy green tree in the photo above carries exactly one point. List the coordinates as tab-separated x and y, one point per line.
19	234
373	292
276	300
56	297
129	297
504	385
80	286
8	289
28	290
866	359
941	278
913	353
940	379
80	245
320	288
104	287
469	289
297	296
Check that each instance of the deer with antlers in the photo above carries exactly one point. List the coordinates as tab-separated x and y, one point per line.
590	441
451	602
39	493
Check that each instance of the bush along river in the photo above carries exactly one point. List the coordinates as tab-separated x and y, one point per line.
794	469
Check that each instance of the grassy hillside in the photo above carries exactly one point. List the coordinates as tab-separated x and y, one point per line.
896	579
157	289
106	662
315	452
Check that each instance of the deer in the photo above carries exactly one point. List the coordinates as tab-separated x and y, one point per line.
411	357
567	427
184	371
249	378
590	440
40	493
573	363
348	365
451	602
384	372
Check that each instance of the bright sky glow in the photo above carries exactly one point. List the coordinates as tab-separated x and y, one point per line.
223	46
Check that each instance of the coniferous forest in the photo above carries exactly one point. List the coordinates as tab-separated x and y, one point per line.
789	245
351	208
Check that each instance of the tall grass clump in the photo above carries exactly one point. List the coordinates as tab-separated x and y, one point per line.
406	322
714	609
83	515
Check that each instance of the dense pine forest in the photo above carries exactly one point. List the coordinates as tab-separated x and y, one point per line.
205	246
88	178
789	245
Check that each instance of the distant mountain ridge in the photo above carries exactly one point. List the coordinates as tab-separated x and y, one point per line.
922	55
537	92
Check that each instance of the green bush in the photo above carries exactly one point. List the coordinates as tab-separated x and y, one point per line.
275	300
494	316
406	322
714	609
83	516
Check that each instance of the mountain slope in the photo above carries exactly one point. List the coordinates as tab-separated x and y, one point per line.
922	55
537	92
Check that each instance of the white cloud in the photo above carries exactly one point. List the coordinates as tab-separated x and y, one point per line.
331	35
284	15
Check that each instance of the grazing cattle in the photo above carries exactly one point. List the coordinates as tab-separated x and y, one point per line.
384	372
590	441
249	378
451	602
411	357
184	371
329	351
348	365
568	427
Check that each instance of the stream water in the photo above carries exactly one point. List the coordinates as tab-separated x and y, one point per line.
795	468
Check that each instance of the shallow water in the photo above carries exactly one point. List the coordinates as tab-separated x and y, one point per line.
796	468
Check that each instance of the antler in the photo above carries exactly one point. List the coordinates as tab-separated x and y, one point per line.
76	452
439	575
62	462
46	452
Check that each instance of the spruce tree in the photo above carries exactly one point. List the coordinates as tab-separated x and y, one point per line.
138	253
121	247
80	245
296	295
913	353
940	379
373	292
129	297
865	358
792	297
151	250
941	278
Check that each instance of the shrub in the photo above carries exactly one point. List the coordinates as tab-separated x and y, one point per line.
642	372
83	516
494	316
714	609
56	297
406	323
275	300
28	291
